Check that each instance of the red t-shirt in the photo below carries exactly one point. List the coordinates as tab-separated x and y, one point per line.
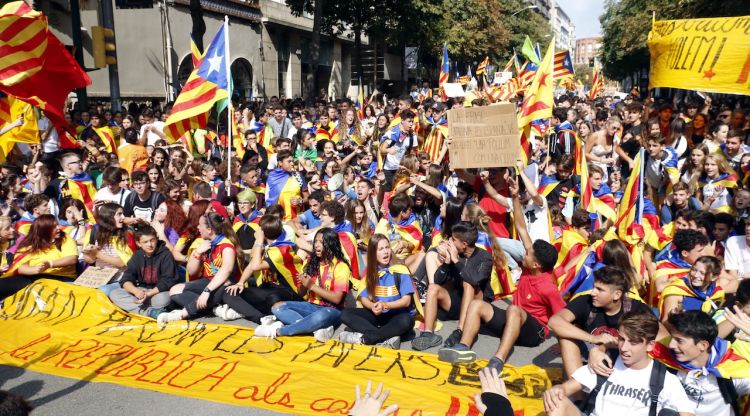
498	214
539	297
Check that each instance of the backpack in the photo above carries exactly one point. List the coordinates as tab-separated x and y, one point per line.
655	384
153	199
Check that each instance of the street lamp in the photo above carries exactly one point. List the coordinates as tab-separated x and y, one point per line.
525	8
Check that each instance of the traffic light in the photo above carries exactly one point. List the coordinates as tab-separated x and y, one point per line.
103	46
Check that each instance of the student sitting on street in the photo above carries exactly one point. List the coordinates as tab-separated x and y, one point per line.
386	297
524	323
149	275
592	319
630	387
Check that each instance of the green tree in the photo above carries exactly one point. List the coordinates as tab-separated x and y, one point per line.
626	23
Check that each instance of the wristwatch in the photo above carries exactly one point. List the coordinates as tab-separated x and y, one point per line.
206	290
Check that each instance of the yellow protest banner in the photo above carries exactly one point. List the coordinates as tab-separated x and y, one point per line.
73	331
710	55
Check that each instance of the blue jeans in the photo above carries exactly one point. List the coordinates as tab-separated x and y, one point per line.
514	251
305	317
109	287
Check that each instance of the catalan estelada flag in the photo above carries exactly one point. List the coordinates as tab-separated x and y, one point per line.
207	84
80	187
597	84
482	68
282	186
563	65
445	69
35	67
434	141
408	230
539	99
360	100
195	53
285	264
706	301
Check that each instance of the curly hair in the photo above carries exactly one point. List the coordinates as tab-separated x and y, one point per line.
331	250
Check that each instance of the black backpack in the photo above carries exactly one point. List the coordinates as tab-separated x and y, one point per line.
655	384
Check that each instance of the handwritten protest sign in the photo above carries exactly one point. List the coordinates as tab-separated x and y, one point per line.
94	277
453	90
72	331
701	54
484	137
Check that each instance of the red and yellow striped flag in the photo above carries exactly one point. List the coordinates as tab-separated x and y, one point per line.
35	67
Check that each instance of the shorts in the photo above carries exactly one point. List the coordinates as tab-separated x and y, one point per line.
454	312
532	332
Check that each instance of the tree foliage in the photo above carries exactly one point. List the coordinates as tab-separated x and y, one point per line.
626	23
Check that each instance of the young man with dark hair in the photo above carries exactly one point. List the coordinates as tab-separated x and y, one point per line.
284	186
395	143
141	204
34	205
310	219
536	299
148	276
592	319
564	140
688	247
680	199
632	388
280	143
463	277
723	226
697	353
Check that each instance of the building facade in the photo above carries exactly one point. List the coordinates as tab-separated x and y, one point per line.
587	51
269	47
563	29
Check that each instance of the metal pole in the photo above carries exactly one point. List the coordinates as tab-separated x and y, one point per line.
170	73
108	21
229	105
75	17
164	49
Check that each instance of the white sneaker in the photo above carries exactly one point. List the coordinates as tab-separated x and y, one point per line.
323	334
230	314
350	337
268	320
219	310
165	317
268	331
393	343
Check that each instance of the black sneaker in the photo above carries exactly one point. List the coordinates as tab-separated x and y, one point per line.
454	338
459	353
497	364
426	340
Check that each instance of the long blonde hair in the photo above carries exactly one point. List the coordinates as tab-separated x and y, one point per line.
343	131
477	216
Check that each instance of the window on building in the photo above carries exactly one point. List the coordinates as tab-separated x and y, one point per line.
282	56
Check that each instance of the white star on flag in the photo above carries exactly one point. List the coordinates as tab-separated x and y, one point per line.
214	63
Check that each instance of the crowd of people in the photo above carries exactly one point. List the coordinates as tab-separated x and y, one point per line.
317	217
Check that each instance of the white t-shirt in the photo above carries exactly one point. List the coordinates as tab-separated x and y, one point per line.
52	143
737	255
537	221
705	394
626	392
104	194
153	137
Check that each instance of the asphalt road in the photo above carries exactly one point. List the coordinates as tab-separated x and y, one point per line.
53	395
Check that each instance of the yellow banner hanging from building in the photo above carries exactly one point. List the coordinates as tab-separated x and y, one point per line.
710	55
71	331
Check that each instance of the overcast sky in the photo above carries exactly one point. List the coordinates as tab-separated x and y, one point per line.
585	15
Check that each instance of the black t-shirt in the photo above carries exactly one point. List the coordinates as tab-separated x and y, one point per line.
477	270
135	207
582	308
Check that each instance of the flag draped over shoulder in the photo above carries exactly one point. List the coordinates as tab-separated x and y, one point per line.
35	67
282	186
708	299
207	84
723	361
434	141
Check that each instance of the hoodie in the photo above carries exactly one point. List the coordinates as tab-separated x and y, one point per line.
159	270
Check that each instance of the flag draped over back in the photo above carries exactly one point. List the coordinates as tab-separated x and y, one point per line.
207	84
35	67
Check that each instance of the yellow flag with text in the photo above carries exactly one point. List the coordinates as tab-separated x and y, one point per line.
711	55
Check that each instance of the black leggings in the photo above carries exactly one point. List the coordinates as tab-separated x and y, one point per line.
256	302
190	293
12	284
377	328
